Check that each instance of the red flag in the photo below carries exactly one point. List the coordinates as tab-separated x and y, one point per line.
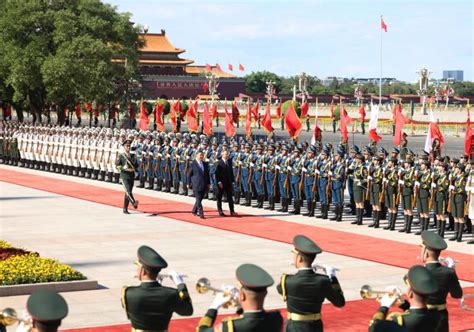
235	112
373	123
206	121
230	67
278	111
362	112
436	133
208	67
292	121
248	123
78	110
158	117
331	109
88	107
400	121
255	111
205	87
468	137
144	121
229	123
304	109
383	26
241	67
267	120
214	111
345	120
8	111
192	118
218	67
175	109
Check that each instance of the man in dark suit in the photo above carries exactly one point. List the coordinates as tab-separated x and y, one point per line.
199	179
225	182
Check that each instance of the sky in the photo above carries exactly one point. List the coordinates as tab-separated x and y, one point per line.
320	37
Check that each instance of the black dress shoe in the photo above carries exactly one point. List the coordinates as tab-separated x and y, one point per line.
135	205
233	213
202	217
126	212
221	214
194	213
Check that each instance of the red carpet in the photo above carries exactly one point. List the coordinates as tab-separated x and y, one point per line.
337	242
355	316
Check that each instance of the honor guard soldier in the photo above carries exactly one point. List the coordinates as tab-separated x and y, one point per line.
407	183
360	183
174	164
47	309
441	189
421	285
374	186
258	175
308	172
338	180
350	166
322	170
254	282
305	291
126	164
236	157
423	197
268	166
469	193
150	305
246	180
391	192
294	169
213	156
457	198
283	181
444	274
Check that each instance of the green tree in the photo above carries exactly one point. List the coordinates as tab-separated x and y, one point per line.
256	81
60	52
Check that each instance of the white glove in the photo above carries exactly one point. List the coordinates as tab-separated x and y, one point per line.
330	173
472	190
451	187
401	182
317	172
387	300
417	184
252	164
304	169
176	277
240	163
187	157
289	168
330	271
433	185
448	262
277	167
385	180
264	165
219	300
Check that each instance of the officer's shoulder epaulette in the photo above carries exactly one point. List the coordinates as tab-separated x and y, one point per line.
234	318
397	317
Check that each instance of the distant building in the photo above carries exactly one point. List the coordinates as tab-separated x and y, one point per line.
457	75
376	80
328	80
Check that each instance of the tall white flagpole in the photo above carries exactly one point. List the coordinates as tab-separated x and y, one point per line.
380	81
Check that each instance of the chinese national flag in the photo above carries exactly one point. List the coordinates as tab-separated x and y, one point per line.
400	121
175	110
208	67
230	67
304	109
345	120
205	87
192	118
144	121
278	111
255	111
214	111
468	137
292	121
206	121
267	120
331	109
241	67
235	112
159	117
362	112
229	123
78	110
383	26
218	67
248	122
88	107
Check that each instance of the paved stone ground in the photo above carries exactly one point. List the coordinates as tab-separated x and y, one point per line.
101	242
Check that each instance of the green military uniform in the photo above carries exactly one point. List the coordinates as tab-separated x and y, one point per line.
360	180
459	199
150	305
423	196
305	291
126	163
445	277
421	282
252	278
376	184
391	192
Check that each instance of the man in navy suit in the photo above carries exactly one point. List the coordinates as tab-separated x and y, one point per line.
225	182
199	179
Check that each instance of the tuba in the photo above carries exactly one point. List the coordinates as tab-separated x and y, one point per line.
366	292
203	286
9	316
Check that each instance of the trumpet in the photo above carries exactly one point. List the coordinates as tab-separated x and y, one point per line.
9	316
320	267
203	286
366	292
162	276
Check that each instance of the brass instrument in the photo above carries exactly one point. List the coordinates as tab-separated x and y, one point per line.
9	316
366	292
203	286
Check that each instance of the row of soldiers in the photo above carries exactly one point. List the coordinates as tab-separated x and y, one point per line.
378	183
150	305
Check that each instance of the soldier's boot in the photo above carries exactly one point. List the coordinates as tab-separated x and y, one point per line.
460	232
405	219
451	223
168	186
125	205
356	221
336	210
455	235
423	225
159	183
270	198
394	221
313	208
389	224
296	207
102	176
261	201
176	187
410	221
116	177
310	205
258	202
109	177
340	208
151	183
248	199
186	190
441	227
321	215
282	209
378	215
272	203
468	224
435	223
374	218
237	197
142	182
287	204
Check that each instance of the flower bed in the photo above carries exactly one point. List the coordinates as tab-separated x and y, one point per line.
19	266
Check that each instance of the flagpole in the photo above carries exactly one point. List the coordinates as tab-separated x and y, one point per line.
380	81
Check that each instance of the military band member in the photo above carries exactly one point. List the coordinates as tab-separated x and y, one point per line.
421	285
338	179
360	186
407	183
254	282
305	291
444	274
423	198
458	201
391	192
127	164
150	305
47	310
